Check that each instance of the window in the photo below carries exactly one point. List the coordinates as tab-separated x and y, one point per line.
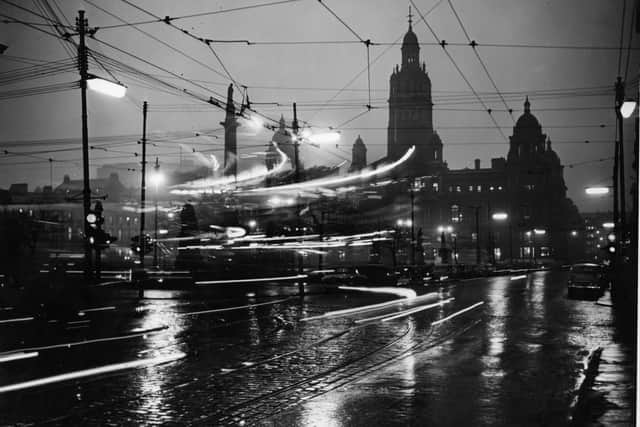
456	213
458	189
435	154
450	189
479	188
435	186
471	188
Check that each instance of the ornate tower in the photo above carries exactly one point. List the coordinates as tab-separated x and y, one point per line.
358	155
230	125
411	112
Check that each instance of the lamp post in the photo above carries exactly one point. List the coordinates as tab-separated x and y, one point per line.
157	179
442	229
503	216
99	85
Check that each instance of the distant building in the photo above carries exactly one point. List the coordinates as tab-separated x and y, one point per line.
110	187
515	209
358	155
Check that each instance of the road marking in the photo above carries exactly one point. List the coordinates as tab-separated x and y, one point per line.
93	371
444	319
93	341
259	279
240	307
17	319
391	316
18	356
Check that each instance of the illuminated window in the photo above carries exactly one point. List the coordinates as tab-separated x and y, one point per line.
435	187
435	154
471	188
479	188
456	213
458	189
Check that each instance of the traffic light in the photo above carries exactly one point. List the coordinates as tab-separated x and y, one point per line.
98	238
137	245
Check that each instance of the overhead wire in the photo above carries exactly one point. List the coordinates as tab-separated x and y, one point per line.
473	45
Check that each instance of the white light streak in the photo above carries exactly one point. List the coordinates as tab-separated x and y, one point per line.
444	319
17	319
106	87
258	279
323	182
401	292
240	307
18	356
93	371
523	276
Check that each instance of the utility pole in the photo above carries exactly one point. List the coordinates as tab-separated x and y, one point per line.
296	143
143	186
156	168
413	234
81	28
477	215
620	144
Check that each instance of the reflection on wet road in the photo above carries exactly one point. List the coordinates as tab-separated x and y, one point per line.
491	351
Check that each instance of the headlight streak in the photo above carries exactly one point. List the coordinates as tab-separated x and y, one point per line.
401	292
258	279
457	313
324	182
91	372
209	186
391	316
18	356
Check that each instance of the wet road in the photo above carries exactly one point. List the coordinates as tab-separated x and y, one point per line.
490	351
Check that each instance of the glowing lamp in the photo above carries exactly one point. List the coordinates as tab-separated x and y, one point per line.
608	225
596	191
627	107
540	232
324	138
500	216
106	87
157	178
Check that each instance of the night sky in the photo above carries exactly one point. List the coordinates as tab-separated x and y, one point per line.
570	89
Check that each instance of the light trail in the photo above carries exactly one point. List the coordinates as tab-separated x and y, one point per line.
91	372
523	276
207	185
372	307
91	310
416	310
17	319
257	280
401	292
140	333
391	316
324	182
444	319
240	307
18	356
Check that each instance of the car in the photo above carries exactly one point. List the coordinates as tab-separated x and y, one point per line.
586	281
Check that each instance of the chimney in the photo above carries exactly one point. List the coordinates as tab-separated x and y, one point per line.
477	163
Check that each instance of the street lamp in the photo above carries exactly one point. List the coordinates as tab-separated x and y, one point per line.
627	108
106	87
596	191
503	216
157	178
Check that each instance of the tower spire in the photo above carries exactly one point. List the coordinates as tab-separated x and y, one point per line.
410	16
527	105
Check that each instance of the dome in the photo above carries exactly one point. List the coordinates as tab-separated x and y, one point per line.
527	120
